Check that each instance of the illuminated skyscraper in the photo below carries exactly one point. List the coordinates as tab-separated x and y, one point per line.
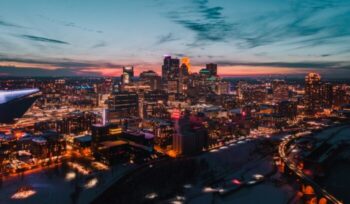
170	68
129	70
128	74
312	93
123	105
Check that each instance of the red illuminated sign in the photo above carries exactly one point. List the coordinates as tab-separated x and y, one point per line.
176	114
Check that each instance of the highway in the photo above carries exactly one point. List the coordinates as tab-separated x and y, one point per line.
293	167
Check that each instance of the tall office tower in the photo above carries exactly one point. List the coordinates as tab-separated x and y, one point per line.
213	69
152	79
128	74
326	95
279	90
186	61
190	137
242	86
123	105
312	93
129	70
166	67
183	71
170	68
340	98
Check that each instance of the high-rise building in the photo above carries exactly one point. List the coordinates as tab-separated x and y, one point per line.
312	93
213	69
103	132
128	74
340	98
170	68
152	79
129	70
123	105
327	95
191	136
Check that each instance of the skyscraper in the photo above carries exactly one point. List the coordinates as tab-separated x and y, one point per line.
129	70
213	69
128	74
170	68
152	79
312	93
122	105
327	95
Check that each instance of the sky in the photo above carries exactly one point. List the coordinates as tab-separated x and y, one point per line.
245	38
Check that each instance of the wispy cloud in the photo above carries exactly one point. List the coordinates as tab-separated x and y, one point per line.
60	62
7	24
207	22
167	38
304	24
23	72
100	44
42	39
23	66
301	64
69	24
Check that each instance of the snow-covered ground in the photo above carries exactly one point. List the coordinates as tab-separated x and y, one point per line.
260	194
56	185
241	161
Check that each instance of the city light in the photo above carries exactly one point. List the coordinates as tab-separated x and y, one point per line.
70	176
91	183
102	130
23	193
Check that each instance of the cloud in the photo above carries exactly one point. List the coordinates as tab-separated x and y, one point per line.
300	23
8	24
166	38
42	39
23	72
207	22
100	44
308	23
59	63
69	24
303	64
22	66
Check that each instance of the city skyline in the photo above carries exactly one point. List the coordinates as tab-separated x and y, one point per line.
75	38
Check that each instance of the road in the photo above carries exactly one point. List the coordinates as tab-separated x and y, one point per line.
293	167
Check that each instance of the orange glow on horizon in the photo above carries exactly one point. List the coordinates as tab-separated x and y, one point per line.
239	70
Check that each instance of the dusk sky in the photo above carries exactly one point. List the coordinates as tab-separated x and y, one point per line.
94	37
